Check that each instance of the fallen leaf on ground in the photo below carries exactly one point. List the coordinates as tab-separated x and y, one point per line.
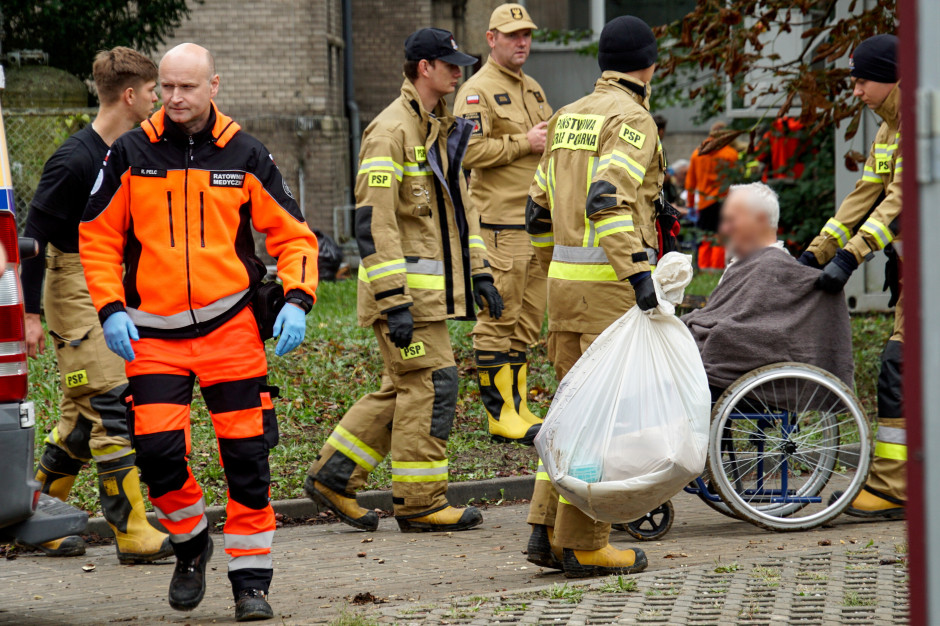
90	567
824	542
367	540
676	555
460	556
361	555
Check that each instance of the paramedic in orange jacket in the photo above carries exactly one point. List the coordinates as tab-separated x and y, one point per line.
703	181
167	247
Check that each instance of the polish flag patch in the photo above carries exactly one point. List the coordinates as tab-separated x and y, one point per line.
473	99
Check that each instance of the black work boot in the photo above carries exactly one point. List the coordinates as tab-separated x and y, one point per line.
252	605
188	585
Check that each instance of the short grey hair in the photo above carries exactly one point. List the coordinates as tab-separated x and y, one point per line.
761	198
680	163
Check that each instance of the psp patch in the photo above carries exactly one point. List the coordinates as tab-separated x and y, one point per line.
380	179
413	351
421	154
502	99
477	123
632	136
76	379
227	179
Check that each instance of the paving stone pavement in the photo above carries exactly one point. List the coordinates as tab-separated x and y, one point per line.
850	573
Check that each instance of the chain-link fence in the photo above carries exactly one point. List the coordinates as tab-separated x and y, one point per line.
32	136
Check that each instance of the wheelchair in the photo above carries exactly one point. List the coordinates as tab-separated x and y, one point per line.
789	449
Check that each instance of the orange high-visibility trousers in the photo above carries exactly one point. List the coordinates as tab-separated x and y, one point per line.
232	372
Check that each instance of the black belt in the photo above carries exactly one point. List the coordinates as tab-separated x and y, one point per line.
502	226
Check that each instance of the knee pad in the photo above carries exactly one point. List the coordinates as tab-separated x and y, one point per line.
445	401
161	458
246	467
55	460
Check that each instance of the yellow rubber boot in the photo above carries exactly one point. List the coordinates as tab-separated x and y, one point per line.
496	389
343	506
444	519
56	475
872	504
542	550
136	541
608	561
520	386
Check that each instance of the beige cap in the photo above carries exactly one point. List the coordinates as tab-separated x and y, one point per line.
508	18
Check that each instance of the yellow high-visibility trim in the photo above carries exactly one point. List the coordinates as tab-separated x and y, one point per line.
879	231
898	168
542	476
582	272
545	240
616	224
837	230
108	450
381	270
426	478
426	281
551	183
418	464
562	500
477	242
381	163
351	447
623	161
893	451
540	178
869	176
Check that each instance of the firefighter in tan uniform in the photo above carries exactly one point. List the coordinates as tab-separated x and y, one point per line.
510	112
869	220
591	216
423	262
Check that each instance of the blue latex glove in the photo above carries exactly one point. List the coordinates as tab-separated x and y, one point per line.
119	331
290	326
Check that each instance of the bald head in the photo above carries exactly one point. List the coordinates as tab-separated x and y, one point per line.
188	83
189	54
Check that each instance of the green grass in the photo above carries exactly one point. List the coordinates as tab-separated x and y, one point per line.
339	363
852	598
346	618
571	595
618	584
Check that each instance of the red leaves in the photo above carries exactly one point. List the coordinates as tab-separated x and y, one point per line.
719	140
852	160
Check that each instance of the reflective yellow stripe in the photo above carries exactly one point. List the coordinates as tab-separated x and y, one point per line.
869	176
419	471
879	231
477	242
541	474
893	451
53	436
381	270
540	177
381	163
837	230
109	453
551	183
353	448
611	225
545	240
623	161
425	281
897	165
562	500
582	272
417	169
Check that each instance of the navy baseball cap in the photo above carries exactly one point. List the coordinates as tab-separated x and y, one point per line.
433	44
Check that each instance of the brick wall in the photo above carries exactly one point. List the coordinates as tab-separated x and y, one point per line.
281	69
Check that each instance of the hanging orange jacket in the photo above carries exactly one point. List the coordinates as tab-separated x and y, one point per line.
177	211
784	142
703	177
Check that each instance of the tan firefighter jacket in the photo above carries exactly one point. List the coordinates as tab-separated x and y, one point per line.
591	212
417	233
859	225
503	106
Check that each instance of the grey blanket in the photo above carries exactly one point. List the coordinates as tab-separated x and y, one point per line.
765	310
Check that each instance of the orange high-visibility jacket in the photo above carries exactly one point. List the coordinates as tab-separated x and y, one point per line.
177	212
703	175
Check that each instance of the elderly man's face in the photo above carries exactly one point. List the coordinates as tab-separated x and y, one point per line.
744	229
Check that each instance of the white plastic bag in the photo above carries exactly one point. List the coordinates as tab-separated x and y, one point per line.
628	427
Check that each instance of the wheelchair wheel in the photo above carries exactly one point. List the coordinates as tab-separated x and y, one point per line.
651	526
785	439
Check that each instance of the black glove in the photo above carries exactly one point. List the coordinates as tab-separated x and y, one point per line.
401	326
484	289
809	259
837	272
644	290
